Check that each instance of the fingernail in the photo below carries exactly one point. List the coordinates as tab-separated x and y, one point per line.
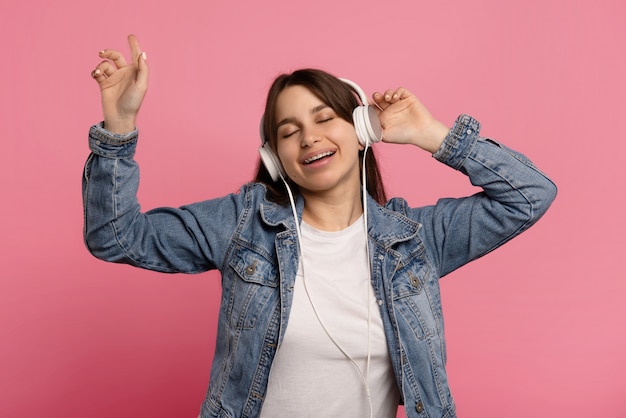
97	72
144	56
387	97
101	52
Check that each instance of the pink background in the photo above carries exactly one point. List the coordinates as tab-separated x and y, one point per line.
535	329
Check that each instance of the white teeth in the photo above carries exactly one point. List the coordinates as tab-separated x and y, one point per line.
318	156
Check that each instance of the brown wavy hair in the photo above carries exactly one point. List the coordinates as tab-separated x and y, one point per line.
337	95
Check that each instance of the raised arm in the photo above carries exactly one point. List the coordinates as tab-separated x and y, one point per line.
515	194
189	239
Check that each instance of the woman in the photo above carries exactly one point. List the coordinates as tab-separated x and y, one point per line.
331	303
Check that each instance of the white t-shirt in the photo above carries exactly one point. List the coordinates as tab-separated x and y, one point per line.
310	376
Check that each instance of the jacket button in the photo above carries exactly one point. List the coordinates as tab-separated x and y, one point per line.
414	280
251	268
419	407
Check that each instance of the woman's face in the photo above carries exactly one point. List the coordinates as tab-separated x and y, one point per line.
318	150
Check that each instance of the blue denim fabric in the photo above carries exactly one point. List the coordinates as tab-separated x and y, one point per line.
253	243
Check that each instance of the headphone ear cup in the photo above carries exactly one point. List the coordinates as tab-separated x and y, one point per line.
271	162
268	157
367	125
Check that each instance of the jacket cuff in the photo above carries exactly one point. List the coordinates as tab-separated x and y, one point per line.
459	142
110	145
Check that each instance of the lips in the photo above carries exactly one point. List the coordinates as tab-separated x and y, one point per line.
318	156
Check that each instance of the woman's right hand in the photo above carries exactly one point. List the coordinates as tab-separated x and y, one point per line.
122	86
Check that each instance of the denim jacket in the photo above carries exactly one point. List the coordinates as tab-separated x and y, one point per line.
253	243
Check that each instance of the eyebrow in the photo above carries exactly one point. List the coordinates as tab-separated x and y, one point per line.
293	120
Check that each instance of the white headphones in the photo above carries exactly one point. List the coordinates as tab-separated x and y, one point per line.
366	125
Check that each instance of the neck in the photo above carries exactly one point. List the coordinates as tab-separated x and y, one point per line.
332	213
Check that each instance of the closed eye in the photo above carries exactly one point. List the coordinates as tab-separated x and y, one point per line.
289	133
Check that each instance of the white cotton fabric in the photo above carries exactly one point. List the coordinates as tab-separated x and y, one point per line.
310	376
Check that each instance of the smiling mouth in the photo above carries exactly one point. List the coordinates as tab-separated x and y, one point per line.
318	157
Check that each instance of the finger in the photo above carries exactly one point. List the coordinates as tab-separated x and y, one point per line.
387	95
115	56
107	68
135	49
402	93
380	101
142	75
98	75
392	96
103	71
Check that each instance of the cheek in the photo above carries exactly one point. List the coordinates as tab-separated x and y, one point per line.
348	135
287	157
282	153
351	140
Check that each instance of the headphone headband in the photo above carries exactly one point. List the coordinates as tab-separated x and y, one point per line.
358	90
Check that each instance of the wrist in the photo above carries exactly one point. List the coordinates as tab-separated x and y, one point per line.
119	125
436	134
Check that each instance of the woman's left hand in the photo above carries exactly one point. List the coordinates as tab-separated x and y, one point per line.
405	120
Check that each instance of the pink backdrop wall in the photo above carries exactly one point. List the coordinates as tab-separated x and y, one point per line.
534	329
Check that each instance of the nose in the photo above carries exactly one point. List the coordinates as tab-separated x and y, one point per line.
309	137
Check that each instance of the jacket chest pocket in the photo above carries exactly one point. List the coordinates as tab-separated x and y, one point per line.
413	299
253	287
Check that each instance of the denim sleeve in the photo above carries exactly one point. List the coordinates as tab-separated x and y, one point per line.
515	194
164	239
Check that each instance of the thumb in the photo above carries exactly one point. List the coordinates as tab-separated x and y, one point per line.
143	71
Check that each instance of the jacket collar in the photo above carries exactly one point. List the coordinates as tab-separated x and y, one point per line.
386	227
274	214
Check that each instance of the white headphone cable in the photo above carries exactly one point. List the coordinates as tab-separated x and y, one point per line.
364	378
369	284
